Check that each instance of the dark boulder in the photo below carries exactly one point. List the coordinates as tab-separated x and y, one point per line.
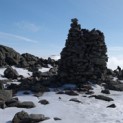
56	118
111	106
102	97
13	102
8	56
106	91
11	73
71	93
24	117
26	104
44	102
21	117
75	100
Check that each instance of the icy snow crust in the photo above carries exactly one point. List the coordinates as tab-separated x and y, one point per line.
90	110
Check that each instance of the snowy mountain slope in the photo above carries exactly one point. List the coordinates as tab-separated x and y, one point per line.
90	110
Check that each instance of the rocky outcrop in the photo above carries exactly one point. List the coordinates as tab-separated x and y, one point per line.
84	56
8	56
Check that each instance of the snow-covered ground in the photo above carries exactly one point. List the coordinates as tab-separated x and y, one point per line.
90	110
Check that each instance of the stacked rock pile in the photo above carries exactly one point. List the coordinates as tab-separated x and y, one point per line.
84	56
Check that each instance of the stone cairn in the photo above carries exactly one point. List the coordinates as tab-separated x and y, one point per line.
84	58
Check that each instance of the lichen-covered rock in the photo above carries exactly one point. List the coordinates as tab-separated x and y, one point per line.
84	56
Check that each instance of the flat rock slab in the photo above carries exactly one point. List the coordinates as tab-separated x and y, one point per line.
26	104
75	100
102	97
38	117
5	95
71	93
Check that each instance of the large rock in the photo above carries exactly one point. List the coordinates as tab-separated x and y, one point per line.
26	104
21	117
5	95
84	56
24	117
8	56
37	117
11	73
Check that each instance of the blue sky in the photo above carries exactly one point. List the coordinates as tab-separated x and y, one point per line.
40	27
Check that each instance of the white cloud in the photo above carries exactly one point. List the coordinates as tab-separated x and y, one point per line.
17	37
27	26
115	61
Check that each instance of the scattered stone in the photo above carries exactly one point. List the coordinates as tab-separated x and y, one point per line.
44	102
111	106
75	100
26	92
26	104
11	73
106	91
38	117
102	97
71	93
56	118
60	92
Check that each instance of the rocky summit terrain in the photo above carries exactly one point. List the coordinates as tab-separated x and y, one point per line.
76	88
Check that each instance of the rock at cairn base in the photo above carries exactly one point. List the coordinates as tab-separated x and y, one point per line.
84	56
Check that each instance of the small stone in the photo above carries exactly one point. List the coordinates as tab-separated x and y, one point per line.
106	91
75	100
44	102
56	118
71	93
111	106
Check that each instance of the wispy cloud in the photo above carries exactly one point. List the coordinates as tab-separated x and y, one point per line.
27	26
115	48
17	37
115	61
